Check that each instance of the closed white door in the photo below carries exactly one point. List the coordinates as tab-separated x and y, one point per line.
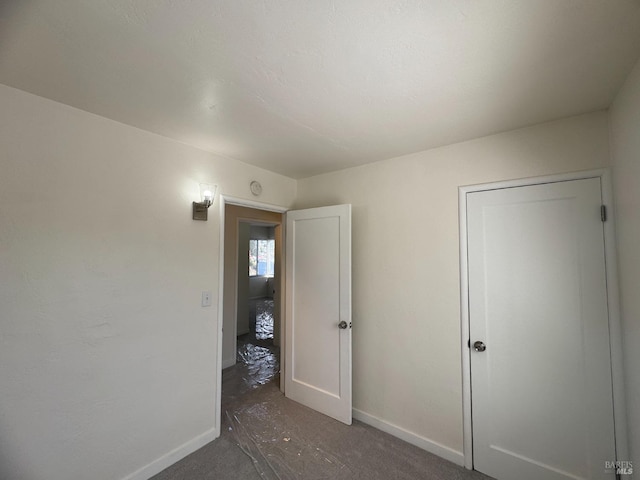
318	310
541	376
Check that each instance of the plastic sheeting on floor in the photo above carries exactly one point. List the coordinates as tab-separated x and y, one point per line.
264	319
279	445
275	441
261	364
266	436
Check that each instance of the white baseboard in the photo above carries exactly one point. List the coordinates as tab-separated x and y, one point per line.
228	362
410	437
173	456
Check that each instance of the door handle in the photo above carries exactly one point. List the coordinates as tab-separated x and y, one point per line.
342	325
479	346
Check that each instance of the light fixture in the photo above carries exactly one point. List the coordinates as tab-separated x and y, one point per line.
207	195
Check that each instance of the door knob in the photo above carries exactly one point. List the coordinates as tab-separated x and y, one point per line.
342	325
479	346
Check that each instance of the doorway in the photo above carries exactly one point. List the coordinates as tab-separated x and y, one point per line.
256	345
541	351
324	233
251	275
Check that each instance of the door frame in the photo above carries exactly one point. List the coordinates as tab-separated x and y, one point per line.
241	202
615	333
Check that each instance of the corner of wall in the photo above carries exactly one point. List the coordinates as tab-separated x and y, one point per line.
173	456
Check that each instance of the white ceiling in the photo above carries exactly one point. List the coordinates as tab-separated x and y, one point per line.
305	87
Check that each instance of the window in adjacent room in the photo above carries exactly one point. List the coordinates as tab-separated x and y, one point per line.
261	258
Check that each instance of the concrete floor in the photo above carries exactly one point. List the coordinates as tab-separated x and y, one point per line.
267	436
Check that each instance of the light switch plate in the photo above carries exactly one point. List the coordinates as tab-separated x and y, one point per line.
206	299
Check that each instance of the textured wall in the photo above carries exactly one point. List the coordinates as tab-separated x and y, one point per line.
625	147
406	303
107	359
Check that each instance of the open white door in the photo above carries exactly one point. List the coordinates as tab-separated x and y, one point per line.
318	310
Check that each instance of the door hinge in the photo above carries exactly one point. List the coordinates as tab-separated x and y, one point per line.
603	213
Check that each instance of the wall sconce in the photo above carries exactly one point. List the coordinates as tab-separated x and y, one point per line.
207	195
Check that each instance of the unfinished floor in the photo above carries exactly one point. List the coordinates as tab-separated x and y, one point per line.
267	436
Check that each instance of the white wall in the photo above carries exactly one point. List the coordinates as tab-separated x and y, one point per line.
107	360
625	147
406	304
244	286
259	287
